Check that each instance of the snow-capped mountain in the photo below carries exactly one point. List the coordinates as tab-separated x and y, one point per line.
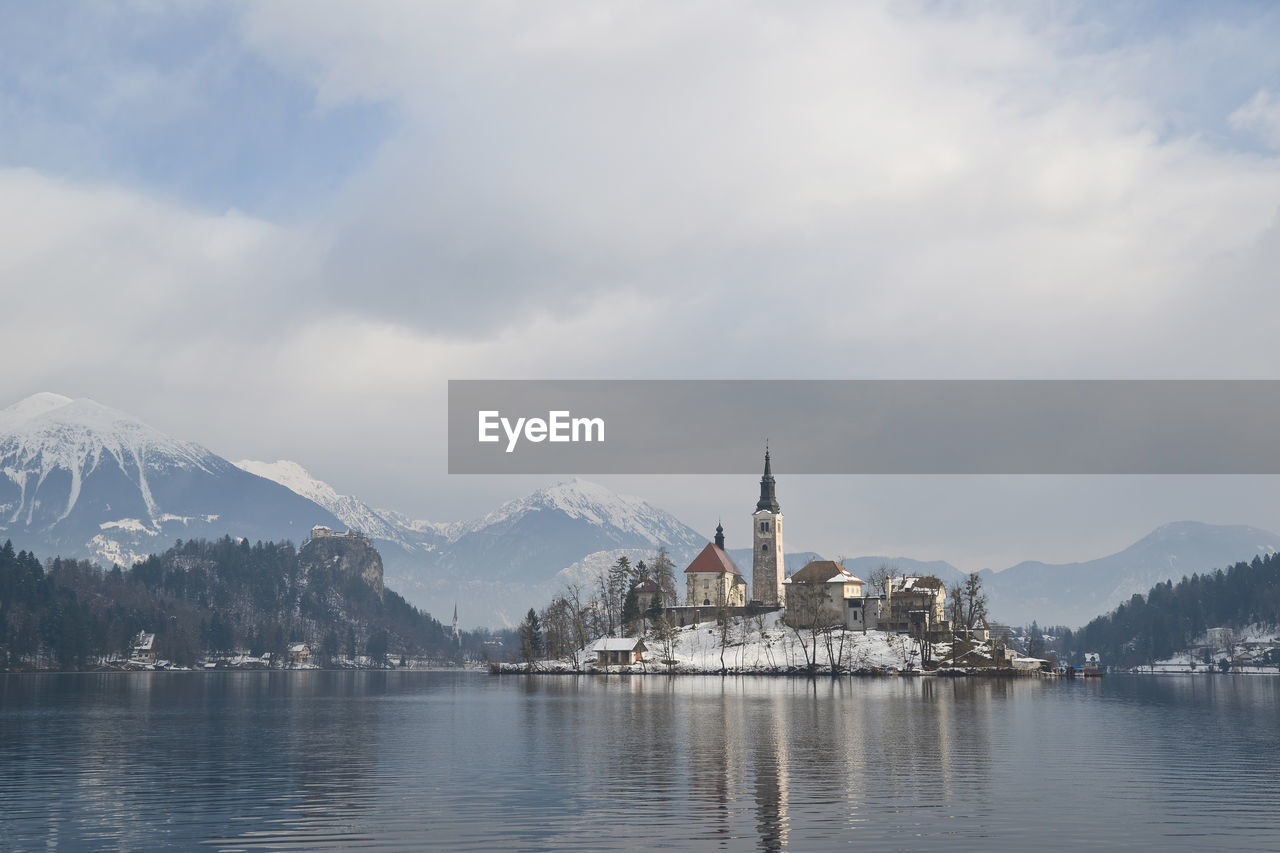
612	520
496	566
82	479
382	525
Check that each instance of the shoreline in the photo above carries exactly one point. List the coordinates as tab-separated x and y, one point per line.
777	672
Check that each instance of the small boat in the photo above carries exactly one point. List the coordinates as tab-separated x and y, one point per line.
1089	670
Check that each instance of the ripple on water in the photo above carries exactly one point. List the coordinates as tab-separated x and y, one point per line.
456	761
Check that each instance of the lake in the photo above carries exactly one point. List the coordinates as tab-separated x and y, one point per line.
467	761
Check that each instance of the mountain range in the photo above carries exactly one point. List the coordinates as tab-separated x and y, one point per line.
80	479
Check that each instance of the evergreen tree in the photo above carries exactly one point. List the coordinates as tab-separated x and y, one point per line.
619	580
329	647
630	610
531	642
656	610
376	647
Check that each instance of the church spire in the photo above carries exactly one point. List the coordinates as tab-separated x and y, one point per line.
768	497
719	536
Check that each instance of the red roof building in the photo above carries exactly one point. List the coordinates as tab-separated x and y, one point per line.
713	579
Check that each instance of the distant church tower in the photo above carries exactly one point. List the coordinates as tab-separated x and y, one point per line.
457	635
767	565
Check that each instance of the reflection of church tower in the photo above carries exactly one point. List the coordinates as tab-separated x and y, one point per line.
767	563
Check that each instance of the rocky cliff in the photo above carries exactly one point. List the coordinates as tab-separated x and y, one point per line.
350	554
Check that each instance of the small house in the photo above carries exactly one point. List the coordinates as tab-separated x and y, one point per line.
144	647
1028	664
917	606
619	651
647	591
299	653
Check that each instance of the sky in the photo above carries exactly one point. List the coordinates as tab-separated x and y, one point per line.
279	229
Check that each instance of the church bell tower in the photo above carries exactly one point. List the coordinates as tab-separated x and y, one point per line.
767	564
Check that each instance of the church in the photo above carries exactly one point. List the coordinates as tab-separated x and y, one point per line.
824	592
714	585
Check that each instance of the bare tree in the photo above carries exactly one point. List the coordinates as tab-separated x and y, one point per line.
834	638
667	637
663	572
881	578
972	602
724	632
808	618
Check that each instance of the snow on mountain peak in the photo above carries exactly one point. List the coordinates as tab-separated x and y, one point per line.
47	432
594	504
30	407
351	511
294	477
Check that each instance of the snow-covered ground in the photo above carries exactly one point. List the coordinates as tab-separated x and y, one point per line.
1245	646
762	645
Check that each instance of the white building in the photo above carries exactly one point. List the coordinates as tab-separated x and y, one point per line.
713	579
825	593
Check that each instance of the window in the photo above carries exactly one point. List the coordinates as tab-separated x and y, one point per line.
764	546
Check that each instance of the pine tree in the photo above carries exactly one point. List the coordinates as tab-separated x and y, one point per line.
630	610
656	610
531	642
376	647
618	581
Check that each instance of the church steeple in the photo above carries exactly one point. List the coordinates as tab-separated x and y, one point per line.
769	562
768	498
719	536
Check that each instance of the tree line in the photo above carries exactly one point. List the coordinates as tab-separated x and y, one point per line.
1171	617
627	599
202	598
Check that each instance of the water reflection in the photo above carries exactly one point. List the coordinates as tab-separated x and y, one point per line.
769	768
149	760
456	761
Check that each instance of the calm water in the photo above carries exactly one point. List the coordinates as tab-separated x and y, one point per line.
464	761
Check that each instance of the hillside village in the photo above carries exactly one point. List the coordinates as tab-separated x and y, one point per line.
821	618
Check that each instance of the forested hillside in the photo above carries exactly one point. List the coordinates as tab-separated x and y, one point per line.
1172	617
202	598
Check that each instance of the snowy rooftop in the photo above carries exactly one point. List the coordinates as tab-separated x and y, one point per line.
824	571
916	584
619	644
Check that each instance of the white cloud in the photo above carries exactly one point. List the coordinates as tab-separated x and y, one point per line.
952	185
1260	115
664	190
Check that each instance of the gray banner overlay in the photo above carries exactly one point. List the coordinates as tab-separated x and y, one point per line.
864	426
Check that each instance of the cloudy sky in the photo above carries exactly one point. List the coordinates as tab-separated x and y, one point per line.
279	229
